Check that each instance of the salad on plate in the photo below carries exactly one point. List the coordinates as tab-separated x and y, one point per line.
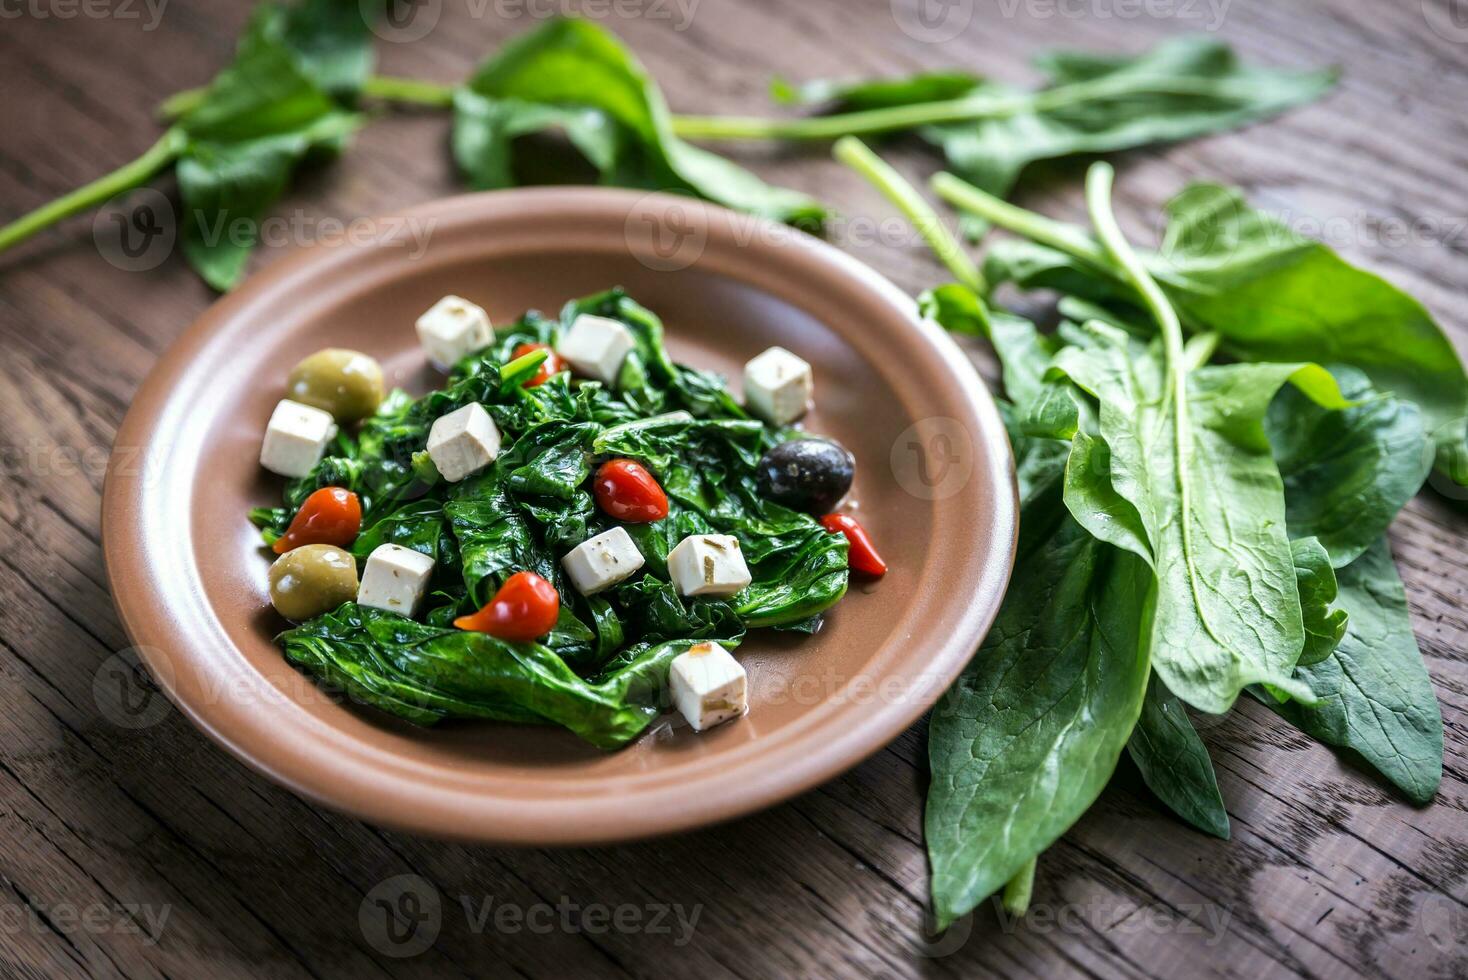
574	530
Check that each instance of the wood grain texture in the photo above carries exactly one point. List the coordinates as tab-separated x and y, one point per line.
148	852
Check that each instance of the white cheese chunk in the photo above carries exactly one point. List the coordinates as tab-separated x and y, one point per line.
453	328
596	346
708	686
395	579
601	562
708	564
295	438
463	441
778	386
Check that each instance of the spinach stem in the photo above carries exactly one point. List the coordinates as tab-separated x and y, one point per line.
411	91
859	157
968	108
1098	201
126	177
1036	227
388	88
1200	349
1017	891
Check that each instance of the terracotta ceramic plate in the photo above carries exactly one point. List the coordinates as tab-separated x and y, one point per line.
934	486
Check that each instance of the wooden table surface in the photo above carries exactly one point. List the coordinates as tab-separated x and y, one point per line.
147	851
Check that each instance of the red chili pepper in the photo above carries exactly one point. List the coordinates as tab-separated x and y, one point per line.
628	492
861	554
331	515
524	609
553	364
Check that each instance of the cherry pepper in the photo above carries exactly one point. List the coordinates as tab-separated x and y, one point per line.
553	364
861	554
627	491
525	608
331	515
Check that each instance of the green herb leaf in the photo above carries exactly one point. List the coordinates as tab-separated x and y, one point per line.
575	77
1174	761
1375	694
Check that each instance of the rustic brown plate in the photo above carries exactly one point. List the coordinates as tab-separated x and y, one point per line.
935	487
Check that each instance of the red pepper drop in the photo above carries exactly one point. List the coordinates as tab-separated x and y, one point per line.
525	608
331	515
628	492
553	364
861	554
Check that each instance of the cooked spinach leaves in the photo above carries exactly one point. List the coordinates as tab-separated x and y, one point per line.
601	671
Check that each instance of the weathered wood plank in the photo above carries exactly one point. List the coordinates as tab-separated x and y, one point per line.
1328	872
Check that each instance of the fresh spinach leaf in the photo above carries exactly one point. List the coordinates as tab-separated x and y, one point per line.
1376	697
1347	472
1029	735
575	77
1184	87
1269	293
1180	473
1324	624
1174	761
250	128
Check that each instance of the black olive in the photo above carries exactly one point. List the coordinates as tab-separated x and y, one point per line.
810	475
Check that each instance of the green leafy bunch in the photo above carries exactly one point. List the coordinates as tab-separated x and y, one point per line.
1210	449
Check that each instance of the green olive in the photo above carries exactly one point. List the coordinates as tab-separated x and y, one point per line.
346	383
311	580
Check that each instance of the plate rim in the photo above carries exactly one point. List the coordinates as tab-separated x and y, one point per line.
147	621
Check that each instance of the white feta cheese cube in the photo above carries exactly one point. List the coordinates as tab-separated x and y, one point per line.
708	686
295	438
601	562
463	441
453	328
708	564
778	386
395	579
596	346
